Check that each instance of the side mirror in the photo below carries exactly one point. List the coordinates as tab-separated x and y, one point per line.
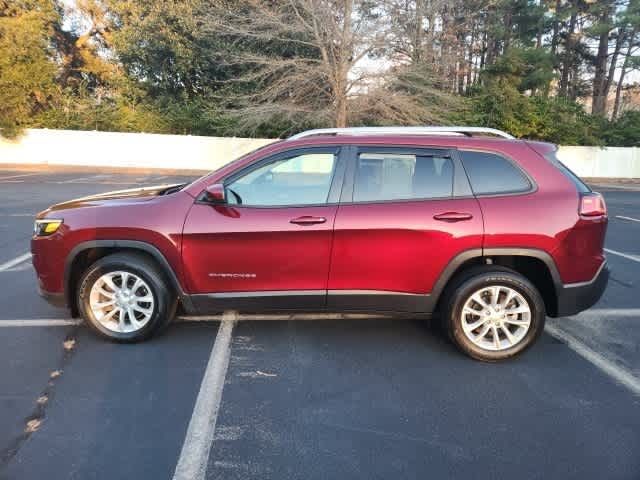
215	193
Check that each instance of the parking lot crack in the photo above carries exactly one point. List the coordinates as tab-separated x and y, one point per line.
34	421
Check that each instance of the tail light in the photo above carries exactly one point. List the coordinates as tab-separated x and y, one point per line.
592	205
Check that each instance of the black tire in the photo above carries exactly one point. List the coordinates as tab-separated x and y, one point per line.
465	285
165	302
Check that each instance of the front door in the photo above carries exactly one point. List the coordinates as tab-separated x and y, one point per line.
405	214
269	247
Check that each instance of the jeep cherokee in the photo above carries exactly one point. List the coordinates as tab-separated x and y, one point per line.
492	234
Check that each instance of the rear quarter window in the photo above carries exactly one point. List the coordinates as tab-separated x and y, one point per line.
580	185
491	174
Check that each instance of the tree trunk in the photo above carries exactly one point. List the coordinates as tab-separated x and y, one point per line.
612	66
568	56
341	111
508	26
461	69
599	102
623	72
430	39
493	44
419	31
556	28
470	59
343	67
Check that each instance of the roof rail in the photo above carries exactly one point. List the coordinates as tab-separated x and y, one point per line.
468	131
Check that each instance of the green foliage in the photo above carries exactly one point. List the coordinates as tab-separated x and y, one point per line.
26	71
536	117
81	112
157	45
523	69
625	131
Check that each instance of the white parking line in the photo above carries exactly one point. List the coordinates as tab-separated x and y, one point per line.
43	322
90	178
611	312
15	261
616	372
628	256
194	456
631	219
19	176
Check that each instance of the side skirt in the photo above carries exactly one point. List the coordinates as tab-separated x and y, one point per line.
361	301
378	301
270	301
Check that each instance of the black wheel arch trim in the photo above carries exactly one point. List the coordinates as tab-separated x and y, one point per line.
529	252
128	244
450	270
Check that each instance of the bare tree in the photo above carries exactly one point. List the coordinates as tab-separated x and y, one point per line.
322	62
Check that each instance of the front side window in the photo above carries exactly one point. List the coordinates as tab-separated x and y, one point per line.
492	174
303	179
391	176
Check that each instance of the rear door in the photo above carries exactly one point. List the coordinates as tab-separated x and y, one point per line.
405	213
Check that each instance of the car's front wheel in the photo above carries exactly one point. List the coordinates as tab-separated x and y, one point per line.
125	298
494	314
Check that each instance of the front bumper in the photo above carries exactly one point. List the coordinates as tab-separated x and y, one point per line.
575	298
55	299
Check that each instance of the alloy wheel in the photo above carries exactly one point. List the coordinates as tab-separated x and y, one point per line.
121	301
495	318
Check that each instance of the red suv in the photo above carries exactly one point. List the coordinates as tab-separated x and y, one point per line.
493	234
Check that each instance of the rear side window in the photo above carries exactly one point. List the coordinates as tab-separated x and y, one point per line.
492	174
391	176
580	185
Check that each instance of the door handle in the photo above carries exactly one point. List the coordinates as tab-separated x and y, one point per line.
453	216
308	220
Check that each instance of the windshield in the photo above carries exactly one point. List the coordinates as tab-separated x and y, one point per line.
224	165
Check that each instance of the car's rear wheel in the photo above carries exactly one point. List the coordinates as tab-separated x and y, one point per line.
492	315
125	298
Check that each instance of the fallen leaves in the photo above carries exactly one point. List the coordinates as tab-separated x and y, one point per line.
33	425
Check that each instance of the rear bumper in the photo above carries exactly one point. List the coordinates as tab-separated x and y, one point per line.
576	297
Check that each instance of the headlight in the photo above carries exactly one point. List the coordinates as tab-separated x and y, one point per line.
46	227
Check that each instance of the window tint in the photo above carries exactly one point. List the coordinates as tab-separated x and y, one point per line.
300	180
580	185
390	176
490	173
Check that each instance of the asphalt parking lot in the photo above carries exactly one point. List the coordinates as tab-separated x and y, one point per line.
332	398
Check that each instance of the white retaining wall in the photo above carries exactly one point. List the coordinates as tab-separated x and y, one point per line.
182	152
611	162
112	149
